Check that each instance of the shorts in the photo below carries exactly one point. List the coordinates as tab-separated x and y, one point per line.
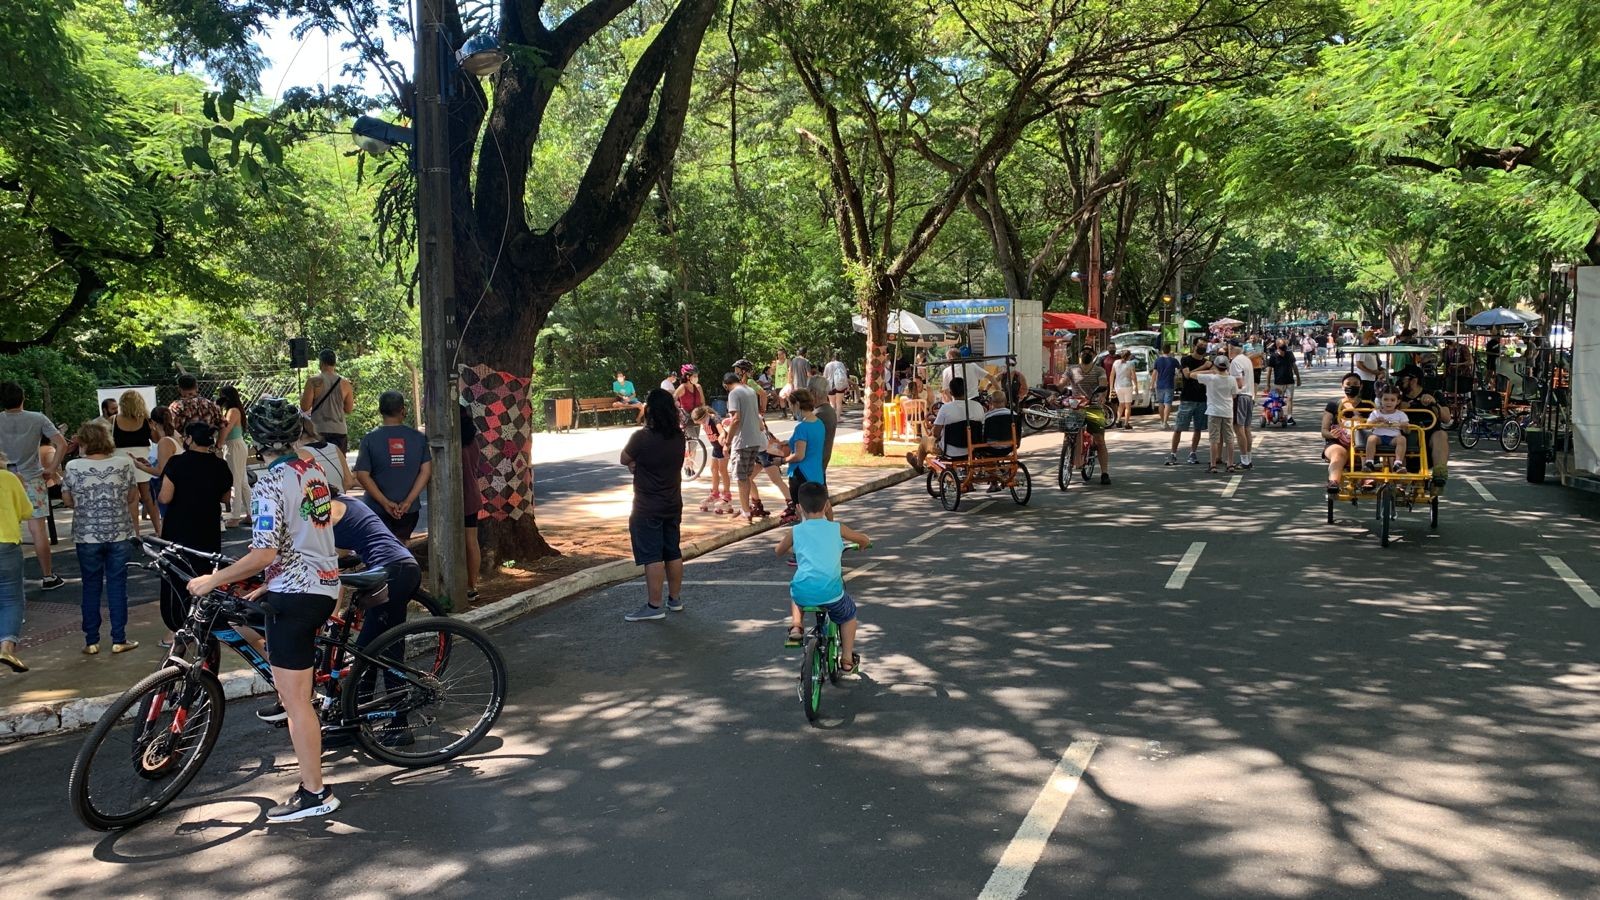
744	464
768	460
1163	396
840	611
470	520
293	626
1221	429
38	496
342	441
1285	390
654	538
1243	409
1191	416
1385	443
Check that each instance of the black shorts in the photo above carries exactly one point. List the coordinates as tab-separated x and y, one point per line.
292	629
342	441
471	521
655	539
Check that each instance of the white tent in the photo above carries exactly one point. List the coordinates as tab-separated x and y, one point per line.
907	326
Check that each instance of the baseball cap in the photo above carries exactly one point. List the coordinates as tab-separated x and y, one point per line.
1219	360
1410	372
744	364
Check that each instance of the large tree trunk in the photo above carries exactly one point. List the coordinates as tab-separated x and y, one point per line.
875	293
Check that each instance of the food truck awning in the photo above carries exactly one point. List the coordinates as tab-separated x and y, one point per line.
1069	321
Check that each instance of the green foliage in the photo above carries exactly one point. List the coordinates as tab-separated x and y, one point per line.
56	386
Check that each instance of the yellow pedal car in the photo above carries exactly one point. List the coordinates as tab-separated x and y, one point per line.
1389	489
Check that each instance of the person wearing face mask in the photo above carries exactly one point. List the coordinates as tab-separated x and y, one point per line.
1412	396
1335	434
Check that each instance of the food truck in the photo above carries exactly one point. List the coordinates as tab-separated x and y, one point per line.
996	327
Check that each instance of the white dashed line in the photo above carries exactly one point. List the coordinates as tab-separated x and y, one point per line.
860	570
1477	485
1010	876
1186	565
1233	485
929	533
1577	584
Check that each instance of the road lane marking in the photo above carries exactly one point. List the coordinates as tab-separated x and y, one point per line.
1186	565
978	507
860	570
1233	485
1010	875
1577	584
1483	492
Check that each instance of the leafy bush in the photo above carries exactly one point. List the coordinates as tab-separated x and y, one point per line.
57	387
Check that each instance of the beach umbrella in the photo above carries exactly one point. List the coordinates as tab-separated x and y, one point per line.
1226	322
905	324
1502	317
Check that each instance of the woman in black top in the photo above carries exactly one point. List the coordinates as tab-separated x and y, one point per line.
654	455
131	435
194	485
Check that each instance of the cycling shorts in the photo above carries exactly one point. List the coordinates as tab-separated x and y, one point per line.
293	626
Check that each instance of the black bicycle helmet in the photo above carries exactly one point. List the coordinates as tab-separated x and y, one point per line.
273	422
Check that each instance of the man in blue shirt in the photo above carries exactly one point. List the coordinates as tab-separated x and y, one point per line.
393	466
1166	366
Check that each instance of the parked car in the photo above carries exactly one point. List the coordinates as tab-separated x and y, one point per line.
1144	357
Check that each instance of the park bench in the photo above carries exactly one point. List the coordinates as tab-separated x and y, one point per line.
594	406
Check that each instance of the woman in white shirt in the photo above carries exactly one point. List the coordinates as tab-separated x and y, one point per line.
1125	379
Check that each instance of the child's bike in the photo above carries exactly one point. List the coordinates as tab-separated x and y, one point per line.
819	656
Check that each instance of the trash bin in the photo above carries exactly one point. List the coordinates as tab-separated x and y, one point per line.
558	408
1538	452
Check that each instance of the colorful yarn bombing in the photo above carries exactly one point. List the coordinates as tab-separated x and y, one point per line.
500	409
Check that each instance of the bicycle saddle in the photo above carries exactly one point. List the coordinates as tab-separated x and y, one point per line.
370	580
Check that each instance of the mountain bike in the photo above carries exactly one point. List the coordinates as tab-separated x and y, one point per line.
422	693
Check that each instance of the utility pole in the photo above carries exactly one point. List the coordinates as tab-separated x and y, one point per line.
447	572
1177	262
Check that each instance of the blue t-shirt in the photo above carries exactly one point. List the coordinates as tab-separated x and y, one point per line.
819	570
361	531
1166	371
393	455
813	433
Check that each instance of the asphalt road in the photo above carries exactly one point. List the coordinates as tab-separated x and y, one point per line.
1306	716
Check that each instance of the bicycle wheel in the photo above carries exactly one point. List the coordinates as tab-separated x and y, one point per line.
1035	418
1091	462
1385	515
1433	512
932	482
146	748
436	689
1468	435
950	490
1021	486
694	458
1064	463
1510	435
810	685
423	606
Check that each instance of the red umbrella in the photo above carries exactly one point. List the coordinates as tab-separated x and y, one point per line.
1070	321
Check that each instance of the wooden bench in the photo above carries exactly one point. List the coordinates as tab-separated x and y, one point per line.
594	406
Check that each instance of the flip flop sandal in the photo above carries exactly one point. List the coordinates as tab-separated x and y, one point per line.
853	667
795	636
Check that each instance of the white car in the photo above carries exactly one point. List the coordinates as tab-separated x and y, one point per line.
1144	358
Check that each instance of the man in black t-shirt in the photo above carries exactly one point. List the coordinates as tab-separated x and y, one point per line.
1191	404
1285	376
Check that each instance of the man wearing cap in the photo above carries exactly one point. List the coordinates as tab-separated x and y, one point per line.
1244	402
745	437
1412	396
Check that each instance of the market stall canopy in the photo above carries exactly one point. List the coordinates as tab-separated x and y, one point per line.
1504	317
1226	323
1414	349
1070	321
905	324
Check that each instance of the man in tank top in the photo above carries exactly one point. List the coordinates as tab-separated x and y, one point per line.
327	399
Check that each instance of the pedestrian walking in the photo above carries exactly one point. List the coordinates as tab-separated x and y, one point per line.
720	501
194	485
21	434
1191	404
838	378
329	397
101	486
15	508
1125	381
1286	376
236	453
133	437
654	454
1166	383
393	465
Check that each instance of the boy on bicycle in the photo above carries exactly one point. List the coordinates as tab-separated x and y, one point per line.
818	544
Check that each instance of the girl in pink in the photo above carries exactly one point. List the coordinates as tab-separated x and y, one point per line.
721	499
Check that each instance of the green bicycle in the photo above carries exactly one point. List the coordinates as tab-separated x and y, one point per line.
819	656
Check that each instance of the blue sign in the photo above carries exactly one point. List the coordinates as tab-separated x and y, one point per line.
965	312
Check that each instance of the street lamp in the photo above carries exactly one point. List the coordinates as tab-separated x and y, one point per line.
481	55
375	136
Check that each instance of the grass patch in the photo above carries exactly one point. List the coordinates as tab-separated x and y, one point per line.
853	455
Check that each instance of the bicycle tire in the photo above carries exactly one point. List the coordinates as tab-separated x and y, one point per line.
949	490
1035	418
431	608
88	804
1021	486
810	684
1510	435
1468	436
373	715
1433	512
1064	463
932	480
695	456
1385	516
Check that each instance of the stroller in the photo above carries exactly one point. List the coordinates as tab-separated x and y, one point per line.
1272	410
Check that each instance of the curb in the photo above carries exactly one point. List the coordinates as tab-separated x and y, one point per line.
26	720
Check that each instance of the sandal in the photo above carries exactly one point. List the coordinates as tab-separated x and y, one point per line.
1232	469
1333	487
795	636
850	667
1211	470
